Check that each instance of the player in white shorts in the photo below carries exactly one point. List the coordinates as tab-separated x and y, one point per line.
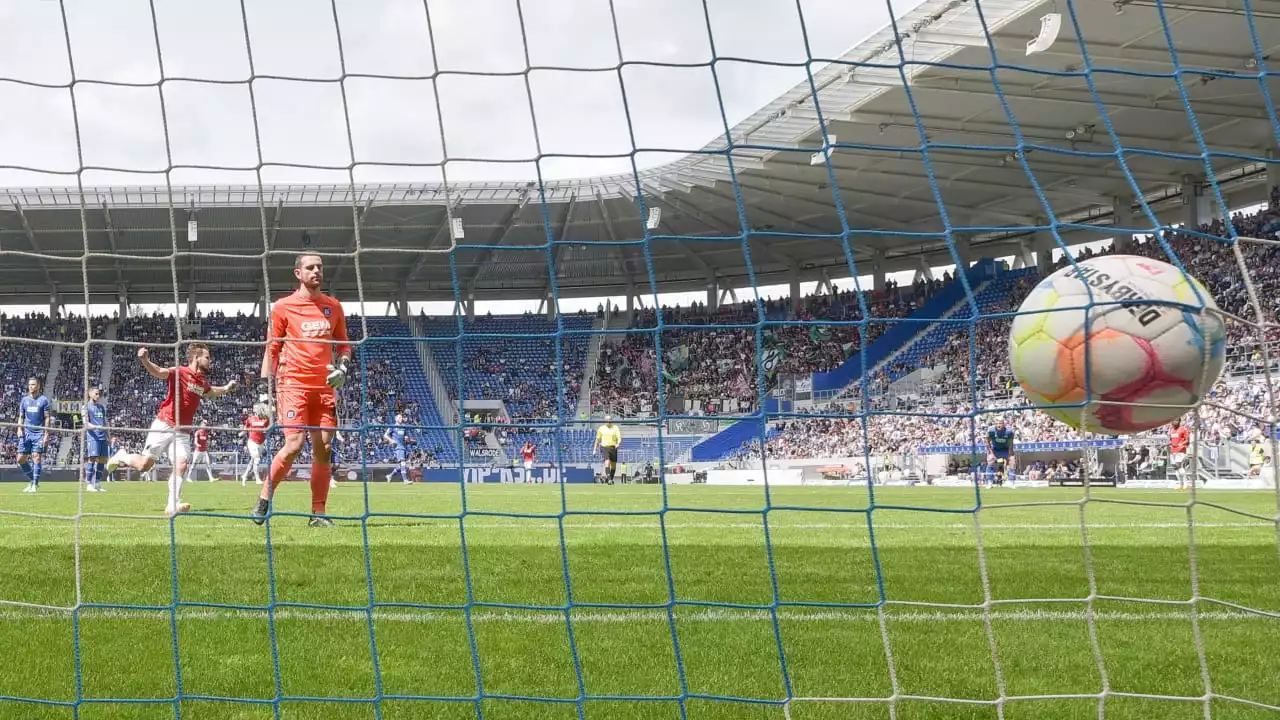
528	454
255	427
201	456
187	385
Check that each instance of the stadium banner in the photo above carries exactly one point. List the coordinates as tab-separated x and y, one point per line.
511	475
570	474
692	426
1021	448
804	387
67	406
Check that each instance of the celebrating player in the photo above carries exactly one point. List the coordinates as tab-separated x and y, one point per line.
1000	451
96	451
186	386
307	327
201	456
527	454
33	416
398	437
255	428
608	437
1179	441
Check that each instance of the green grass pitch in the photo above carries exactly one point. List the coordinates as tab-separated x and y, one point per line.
932	566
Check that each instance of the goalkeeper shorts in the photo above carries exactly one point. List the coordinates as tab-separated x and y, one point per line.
299	410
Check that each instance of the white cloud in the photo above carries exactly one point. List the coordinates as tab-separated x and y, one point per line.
395	121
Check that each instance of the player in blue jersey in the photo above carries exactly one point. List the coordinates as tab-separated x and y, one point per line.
398	437
1000	451
96	450
33	416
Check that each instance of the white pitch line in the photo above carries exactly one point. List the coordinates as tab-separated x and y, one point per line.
577	523
586	615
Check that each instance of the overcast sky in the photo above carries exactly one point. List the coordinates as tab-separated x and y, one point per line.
391	120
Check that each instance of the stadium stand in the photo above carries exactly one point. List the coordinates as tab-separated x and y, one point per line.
575	446
70	381
707	367
1242	392
714	371
518	371
19	361
394	381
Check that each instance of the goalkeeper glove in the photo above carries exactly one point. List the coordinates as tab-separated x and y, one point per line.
337	374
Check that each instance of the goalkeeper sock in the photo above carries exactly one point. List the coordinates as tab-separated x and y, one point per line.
35	472
26	470
100	471
90	470
279	468
320	475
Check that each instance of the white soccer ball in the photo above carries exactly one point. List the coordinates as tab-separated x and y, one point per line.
1132	343
264	408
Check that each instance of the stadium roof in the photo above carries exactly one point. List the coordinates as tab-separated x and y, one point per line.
136	237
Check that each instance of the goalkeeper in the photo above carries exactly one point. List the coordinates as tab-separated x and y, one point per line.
308	356
1000	451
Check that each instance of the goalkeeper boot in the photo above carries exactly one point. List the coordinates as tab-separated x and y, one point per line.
319	521
260	511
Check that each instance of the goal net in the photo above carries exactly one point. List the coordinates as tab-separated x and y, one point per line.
799	329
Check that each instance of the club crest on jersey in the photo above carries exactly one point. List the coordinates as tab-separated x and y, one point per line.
291	414
327	311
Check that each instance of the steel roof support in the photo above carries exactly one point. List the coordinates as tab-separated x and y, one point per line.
559	246
275	227
1098	52
35	247
792	222
441	231
966	88
1040	134
712	222
825	207
507	223
113	242
354	245
619	252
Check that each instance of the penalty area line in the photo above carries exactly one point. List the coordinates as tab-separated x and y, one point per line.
587	615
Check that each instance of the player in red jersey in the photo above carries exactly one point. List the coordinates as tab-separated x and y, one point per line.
1179	442
201	456
255	427
308	356
527	454
187	385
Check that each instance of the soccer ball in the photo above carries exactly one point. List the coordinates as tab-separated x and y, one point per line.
1135	365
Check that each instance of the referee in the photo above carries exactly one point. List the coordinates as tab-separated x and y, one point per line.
608	436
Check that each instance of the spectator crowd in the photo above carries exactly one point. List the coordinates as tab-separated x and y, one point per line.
707	366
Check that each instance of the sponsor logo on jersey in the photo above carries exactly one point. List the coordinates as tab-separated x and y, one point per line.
316	328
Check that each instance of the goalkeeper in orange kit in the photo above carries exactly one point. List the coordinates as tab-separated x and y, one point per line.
308	356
